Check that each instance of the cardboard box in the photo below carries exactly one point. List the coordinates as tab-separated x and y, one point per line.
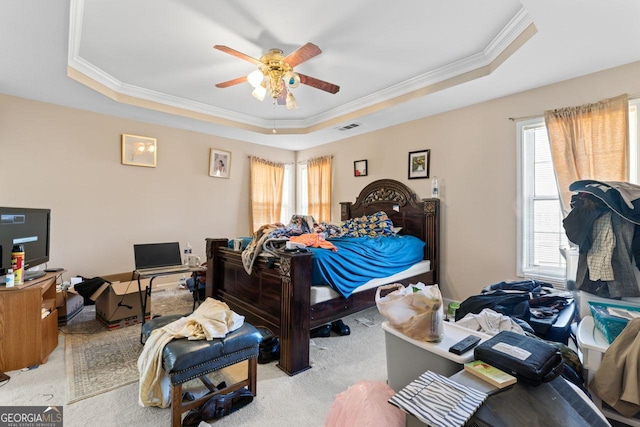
69	304
118	303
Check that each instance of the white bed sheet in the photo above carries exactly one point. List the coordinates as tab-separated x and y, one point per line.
325	293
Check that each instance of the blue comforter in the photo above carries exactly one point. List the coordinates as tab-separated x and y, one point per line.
360	259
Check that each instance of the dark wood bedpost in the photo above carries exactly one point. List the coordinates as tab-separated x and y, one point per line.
432	240
295	274
214	264
345	210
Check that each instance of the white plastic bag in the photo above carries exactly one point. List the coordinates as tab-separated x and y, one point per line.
365	404
415	310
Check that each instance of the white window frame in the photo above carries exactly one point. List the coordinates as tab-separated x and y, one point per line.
302	190
288	194
525	258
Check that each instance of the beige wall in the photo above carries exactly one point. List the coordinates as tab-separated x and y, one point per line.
473	153
69	160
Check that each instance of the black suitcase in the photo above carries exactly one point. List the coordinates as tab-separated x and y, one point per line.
528	359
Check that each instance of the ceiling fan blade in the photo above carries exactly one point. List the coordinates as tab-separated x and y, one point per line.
302	54
237	54
318	84
232	82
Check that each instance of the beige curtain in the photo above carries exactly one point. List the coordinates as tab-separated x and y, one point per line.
589	142
319	188
267	180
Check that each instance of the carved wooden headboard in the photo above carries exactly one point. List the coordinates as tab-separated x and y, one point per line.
417	217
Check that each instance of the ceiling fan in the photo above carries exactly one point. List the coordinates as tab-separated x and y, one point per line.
275	74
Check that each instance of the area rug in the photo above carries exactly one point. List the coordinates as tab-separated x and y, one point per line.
99	360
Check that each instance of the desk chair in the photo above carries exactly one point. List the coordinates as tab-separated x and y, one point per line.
196	285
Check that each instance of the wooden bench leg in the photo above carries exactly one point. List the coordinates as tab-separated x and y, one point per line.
176	405
252	375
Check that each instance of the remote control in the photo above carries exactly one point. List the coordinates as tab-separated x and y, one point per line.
465	345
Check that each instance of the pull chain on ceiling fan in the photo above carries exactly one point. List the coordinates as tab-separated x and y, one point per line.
275	75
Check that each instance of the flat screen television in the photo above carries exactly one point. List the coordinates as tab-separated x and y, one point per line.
29	227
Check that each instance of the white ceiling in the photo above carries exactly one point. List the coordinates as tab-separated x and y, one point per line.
153	60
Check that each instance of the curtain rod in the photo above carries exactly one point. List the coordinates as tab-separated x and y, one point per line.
282	163
513	119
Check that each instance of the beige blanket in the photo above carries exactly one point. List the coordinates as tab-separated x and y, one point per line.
253	249
617	380
213	319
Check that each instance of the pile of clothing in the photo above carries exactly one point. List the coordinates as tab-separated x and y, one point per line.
270	238
604	222
509	306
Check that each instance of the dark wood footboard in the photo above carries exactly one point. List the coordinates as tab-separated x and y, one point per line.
275	295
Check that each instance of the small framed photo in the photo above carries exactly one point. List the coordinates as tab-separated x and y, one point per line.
419	164
219	163
139	151
360	168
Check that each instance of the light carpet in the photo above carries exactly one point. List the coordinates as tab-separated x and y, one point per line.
282	401
99	360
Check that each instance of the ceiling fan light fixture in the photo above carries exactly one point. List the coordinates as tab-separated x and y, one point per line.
275	76
292	104
255	78
259	92
292	79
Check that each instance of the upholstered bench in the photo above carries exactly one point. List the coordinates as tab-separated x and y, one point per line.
184	360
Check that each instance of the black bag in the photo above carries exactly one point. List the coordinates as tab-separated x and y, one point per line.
269	349
534	287
87	287
530	360
507	303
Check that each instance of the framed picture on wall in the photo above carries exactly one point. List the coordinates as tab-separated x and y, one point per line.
219	163
360	168
139	151
419	164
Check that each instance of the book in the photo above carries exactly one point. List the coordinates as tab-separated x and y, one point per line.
438	401
490	374
468	379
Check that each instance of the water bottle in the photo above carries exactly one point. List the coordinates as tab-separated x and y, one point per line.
10	279
434	187
183	282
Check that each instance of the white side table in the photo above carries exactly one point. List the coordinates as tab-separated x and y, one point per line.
407	358
593	345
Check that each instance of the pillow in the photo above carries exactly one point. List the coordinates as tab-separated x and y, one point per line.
377	224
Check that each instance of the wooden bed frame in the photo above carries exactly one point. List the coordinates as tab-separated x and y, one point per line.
277	295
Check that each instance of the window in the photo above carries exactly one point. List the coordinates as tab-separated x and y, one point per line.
288	195
302	190
540	230
266	185
319	178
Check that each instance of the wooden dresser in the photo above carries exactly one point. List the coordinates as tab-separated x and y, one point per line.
26	338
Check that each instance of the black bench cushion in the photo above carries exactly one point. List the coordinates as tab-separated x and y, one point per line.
202	356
